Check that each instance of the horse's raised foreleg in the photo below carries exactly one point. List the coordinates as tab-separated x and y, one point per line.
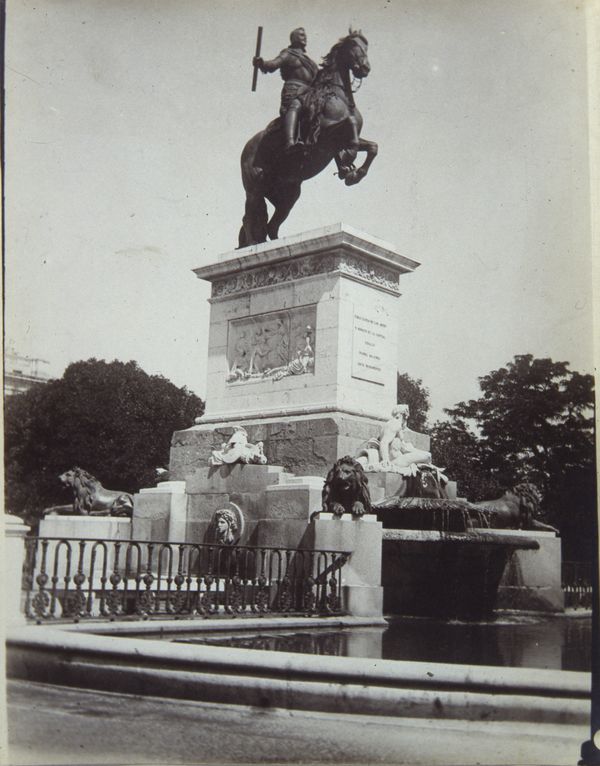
354	142
371	148
283	205
344	160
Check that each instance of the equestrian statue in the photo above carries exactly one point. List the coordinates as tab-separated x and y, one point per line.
318	121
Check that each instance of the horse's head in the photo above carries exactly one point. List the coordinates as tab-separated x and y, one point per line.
354	54
349	53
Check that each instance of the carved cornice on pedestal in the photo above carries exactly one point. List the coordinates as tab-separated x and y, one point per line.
334	249
355	267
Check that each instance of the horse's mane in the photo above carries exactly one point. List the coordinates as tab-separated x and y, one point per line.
329	61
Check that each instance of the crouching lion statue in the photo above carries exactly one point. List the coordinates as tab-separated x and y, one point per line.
518	508
346	489
90	498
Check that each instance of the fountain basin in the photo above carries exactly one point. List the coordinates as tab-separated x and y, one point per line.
448	575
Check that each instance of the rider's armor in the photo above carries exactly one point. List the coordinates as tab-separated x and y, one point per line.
298	71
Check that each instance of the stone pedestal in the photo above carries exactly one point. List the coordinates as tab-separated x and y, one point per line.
274	504
86	527
361	575
303	340
160	513
305	445
211	488
13	558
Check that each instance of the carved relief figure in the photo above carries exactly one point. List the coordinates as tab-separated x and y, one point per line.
272	346
225	527
260	351
278	344
242	352
304	361
238	450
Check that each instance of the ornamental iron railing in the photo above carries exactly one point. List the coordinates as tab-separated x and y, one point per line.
79	578
577	584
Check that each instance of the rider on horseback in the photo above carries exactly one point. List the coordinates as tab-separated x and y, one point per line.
298	72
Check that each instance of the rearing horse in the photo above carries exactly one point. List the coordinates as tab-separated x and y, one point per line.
331	126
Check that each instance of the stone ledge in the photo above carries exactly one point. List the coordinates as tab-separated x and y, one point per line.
306	413
427	675
306	446
339	684
311	242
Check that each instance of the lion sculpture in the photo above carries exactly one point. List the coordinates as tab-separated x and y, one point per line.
90	498
346	489
518	508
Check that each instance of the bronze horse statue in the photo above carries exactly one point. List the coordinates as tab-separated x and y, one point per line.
330	129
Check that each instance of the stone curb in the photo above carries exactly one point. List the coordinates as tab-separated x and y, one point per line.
307	695
283	679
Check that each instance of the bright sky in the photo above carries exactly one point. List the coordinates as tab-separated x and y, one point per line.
126	118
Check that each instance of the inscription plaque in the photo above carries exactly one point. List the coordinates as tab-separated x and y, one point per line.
369	343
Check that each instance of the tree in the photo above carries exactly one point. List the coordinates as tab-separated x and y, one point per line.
112	419
533	422
411	391
457	450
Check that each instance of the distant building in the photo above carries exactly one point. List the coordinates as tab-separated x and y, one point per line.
22	372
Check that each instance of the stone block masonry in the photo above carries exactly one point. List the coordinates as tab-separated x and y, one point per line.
304	326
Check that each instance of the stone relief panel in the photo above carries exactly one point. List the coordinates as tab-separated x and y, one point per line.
273	345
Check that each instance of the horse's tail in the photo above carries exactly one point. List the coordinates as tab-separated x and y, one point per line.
252	173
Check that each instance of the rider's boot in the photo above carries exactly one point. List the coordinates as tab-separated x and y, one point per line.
290	123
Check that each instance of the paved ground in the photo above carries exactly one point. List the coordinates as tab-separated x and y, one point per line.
55	725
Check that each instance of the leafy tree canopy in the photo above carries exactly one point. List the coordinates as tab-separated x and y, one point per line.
534	422
411	391
111	418
535	419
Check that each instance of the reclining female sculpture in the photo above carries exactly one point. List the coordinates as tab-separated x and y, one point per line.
238	450
390	451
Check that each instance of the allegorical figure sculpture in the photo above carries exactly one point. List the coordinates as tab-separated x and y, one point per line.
391	451
318	105
394	450
346	489
238	450
226	527
91	498
298	71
